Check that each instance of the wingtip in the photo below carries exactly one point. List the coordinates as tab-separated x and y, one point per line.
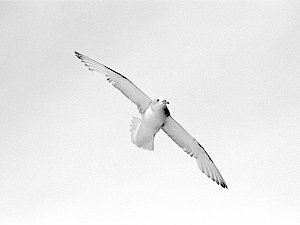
77	54
221	183
214	176
224	185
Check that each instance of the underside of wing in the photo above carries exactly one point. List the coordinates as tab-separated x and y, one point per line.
191	146
119	81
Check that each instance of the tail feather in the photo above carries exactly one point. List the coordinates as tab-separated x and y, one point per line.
135	124
147	142
149	145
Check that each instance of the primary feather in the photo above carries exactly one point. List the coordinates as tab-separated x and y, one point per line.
119	81
191	146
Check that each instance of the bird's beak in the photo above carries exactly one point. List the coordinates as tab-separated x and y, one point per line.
164	101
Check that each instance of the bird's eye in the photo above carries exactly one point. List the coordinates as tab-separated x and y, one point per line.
157	100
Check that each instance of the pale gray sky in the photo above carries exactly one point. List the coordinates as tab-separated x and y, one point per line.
230	71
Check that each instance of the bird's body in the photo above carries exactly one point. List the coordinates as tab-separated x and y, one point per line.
155	116
144	130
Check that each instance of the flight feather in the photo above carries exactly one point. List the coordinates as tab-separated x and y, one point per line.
191	146
119	81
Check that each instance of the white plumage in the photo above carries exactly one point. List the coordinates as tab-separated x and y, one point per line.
155	115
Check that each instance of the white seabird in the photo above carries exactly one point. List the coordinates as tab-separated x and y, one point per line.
155	116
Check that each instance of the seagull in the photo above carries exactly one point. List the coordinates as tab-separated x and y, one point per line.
155	116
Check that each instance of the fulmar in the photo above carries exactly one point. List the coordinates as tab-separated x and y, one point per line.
155	116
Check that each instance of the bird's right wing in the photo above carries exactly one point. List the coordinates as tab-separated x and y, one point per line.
119	81
191	146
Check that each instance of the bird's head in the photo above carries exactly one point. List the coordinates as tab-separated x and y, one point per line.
159	103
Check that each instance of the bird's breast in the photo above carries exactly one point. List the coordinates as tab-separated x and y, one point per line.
153	119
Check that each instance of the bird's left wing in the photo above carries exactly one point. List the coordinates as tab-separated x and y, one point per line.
191	146
119	81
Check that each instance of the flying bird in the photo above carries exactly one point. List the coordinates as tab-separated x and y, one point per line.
155	116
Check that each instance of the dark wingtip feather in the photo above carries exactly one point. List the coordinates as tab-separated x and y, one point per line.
224	185
78	55
82	59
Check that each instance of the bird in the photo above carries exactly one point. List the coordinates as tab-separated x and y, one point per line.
155	116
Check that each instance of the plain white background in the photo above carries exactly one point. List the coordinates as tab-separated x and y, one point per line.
230	71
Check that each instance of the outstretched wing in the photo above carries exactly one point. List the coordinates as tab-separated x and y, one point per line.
118	81
191	146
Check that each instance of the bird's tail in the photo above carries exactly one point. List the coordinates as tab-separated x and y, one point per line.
149	145
139	139
135	124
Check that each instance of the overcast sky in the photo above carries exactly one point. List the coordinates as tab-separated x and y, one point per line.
230	71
